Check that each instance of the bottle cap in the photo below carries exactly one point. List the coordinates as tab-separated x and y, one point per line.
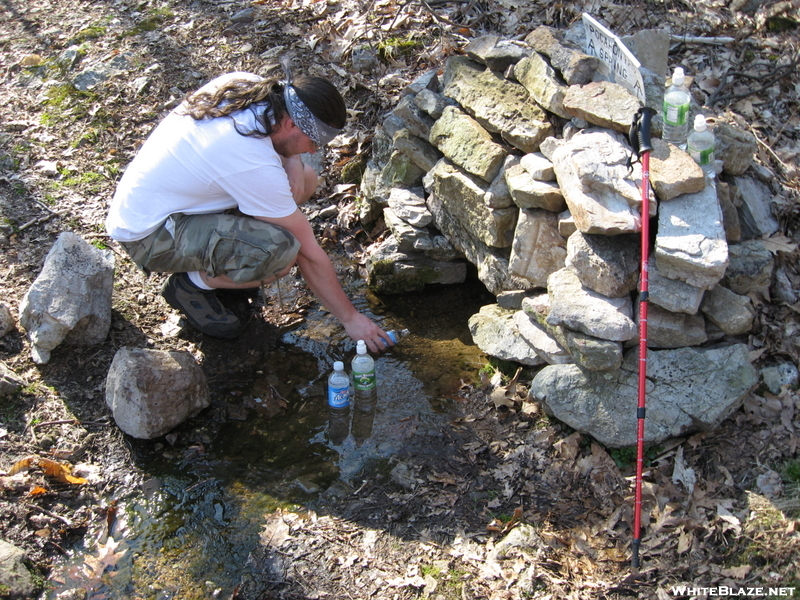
338	366
678	76
700	123
361	347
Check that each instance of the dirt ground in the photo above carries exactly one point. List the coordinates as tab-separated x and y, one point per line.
437	530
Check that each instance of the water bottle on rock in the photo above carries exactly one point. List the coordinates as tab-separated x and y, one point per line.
338	404
364	380
676	110
700	145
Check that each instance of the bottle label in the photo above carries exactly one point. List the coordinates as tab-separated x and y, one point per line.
675	114
364	382
702	157
338	397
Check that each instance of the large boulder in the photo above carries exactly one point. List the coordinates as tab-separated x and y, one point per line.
687	389
150	392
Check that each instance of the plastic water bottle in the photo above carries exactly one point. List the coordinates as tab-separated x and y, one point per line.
396	335
338	404
676	110
364	380
700	145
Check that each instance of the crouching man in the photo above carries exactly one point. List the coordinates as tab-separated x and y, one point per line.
212	197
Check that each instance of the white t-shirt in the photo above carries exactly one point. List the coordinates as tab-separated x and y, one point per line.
197	167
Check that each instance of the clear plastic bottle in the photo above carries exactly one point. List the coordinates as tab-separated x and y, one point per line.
364	380
338	404
700	145
677	103
396	335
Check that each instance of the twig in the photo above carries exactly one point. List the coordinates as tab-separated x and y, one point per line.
64	520
779	73
71	422
701	40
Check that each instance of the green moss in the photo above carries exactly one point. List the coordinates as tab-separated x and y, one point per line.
395	47
780	23
791	471
152	21
92	32
353	171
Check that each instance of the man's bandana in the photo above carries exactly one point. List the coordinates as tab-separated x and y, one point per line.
319	132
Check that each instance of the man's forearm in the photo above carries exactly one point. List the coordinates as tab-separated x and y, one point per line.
323	281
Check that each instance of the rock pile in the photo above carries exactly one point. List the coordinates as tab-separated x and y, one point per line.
514	158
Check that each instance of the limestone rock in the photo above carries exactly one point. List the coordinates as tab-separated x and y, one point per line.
602	103
420	151
492	263
542	342
673	172
391	270
462	139
494	332
609	265
735	147
538	249
499	105
731	312
538	166
593	353
7	322
10	382
593	176
463	197
575	67
755	210
688	389
667	329
150	392
409	205
542	83
690	244
673	295
528	192
750	269
15	579
70	300
577	307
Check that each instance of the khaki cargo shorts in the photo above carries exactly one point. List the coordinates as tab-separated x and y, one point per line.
243	248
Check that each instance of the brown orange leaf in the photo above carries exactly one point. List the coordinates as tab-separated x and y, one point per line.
37	491
21	465
59	471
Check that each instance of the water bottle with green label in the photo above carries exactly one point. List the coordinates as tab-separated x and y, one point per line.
676	110
364	380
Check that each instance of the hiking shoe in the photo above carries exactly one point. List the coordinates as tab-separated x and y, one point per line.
200	307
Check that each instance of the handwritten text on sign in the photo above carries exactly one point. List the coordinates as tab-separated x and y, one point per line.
607	47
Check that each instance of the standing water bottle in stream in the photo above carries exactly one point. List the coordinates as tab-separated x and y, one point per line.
700	145
676	111
338	404
364	380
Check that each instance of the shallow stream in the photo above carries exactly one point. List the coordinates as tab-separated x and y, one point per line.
188	530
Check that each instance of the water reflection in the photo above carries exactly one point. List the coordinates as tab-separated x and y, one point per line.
279	446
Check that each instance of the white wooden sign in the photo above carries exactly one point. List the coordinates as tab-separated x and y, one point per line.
621	63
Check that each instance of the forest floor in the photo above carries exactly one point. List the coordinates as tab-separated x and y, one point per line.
441	529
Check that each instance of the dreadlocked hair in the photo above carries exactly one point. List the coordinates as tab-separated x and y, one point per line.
265	99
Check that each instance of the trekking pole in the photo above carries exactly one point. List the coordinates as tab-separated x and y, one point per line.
640	140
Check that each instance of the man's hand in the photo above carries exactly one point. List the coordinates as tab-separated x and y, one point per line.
361	327
320	275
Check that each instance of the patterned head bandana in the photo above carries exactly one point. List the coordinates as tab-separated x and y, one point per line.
319	132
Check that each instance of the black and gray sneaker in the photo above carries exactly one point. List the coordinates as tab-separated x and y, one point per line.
200	307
